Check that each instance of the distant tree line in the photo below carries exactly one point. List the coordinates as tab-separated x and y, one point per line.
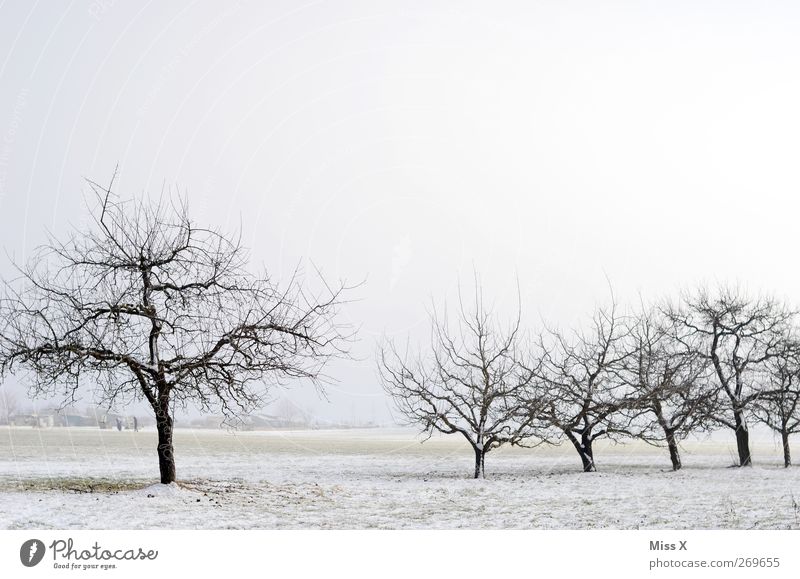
709	359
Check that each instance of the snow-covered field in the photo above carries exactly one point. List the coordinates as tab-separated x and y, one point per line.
88	478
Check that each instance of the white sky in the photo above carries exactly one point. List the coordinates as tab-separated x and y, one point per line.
408	142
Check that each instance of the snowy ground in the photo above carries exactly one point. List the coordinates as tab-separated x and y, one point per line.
88	478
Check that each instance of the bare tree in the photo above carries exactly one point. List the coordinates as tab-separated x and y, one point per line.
738	335
8	406
144	304
585	389
670	382
469	383
289	412
778	405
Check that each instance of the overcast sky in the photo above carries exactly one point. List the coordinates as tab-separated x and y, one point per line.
407	143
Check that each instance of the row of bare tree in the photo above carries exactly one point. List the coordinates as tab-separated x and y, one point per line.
144	304
707	360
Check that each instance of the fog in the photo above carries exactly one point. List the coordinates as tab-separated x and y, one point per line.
550	146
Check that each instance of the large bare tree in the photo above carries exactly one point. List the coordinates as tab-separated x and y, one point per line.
778	404
144	304
738	335
671	383
470	382
585	390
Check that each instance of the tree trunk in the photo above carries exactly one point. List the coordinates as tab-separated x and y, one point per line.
669	435
742	438
587	456
787	454
166	457
584	448
480	456
674	453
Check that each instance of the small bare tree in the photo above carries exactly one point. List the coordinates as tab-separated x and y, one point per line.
672	384
8	406
144	304
470	382
778	405
738	335
289	412
585	388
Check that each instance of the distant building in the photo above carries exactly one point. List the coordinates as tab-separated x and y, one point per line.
32	420
109	420
269	422
76	420
61	418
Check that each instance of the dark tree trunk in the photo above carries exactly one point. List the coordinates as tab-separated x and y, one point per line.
787	454
587	456
742	438
480	457
674	453
669	435
584	448
166	456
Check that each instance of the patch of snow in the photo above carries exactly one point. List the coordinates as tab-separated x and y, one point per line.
382	479
162	490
